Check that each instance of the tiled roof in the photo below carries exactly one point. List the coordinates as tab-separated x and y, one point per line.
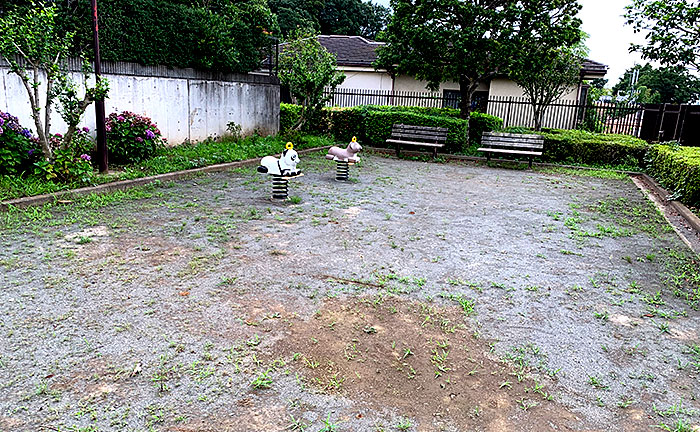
351	50
359	51
593	68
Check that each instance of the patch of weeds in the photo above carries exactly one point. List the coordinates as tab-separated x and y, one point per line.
328	425
597	383
262	381
297	424
295	199
603	316
404	424
466	303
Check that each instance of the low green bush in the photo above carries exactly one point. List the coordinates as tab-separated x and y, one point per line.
581	147
371	124
19	150
677	169
131	138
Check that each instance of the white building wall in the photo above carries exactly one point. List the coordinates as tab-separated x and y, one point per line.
366	80
184	107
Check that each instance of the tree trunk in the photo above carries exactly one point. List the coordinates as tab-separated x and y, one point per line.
467	87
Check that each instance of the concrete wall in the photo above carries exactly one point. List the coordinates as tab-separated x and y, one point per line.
184	103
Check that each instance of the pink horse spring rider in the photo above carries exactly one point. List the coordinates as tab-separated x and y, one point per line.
344	158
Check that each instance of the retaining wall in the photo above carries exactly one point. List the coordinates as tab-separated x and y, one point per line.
186	104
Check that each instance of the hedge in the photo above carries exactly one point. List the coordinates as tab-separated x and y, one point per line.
576	146
677	169
372	124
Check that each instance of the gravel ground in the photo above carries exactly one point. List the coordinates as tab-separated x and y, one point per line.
557	302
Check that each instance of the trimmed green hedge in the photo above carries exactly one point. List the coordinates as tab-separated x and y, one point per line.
677	169
372	124
576	146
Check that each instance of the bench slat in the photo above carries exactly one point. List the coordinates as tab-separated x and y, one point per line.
510	144
417	143
523	152
512	135
420	137
502	139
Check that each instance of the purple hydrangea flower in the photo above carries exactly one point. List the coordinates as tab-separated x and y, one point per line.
150	134
2	121
26	133
1	131
108	128
86	129
85	157
30	152
120	118
139	139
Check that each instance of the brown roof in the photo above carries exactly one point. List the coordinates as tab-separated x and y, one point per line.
359	51
351	50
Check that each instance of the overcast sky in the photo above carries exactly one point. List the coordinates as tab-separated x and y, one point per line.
609	38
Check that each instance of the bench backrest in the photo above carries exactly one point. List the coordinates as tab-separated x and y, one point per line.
512	141
419	133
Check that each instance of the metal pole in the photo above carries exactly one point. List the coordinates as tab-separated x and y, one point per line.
100	103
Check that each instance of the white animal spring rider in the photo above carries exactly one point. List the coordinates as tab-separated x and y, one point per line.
344	158
281	170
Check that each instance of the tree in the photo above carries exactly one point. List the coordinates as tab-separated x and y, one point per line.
672	85
546	74
33	45
307	68
343	17
470	42
672	30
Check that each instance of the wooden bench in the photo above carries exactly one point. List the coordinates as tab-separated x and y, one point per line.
424	136
510	143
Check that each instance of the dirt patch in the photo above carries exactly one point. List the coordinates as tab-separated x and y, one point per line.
420	358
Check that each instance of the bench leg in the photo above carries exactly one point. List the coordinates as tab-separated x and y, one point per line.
488	156
434	152
398	150
529	162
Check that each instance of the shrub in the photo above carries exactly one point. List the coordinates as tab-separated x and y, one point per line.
371	124
576	146
18	148
289	115
677	169
131	138
69	165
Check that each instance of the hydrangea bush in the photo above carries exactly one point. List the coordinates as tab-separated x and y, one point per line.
72	164
131	138
18	148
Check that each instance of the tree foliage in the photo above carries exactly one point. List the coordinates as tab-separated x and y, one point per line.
221	35
307	68
546	74
672	85
343	17
470	42
672	30
33	44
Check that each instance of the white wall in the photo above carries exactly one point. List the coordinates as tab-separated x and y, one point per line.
183	105
506	87
366	80
407	83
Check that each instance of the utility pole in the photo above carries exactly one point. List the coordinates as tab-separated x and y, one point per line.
100	103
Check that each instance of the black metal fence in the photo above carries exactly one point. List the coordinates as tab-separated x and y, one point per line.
664	122
605	117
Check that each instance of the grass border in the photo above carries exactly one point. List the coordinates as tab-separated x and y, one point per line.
25	202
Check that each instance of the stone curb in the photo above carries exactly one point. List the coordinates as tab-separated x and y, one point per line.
690	217
125	184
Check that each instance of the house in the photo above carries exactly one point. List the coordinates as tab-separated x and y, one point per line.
355	56
500	96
